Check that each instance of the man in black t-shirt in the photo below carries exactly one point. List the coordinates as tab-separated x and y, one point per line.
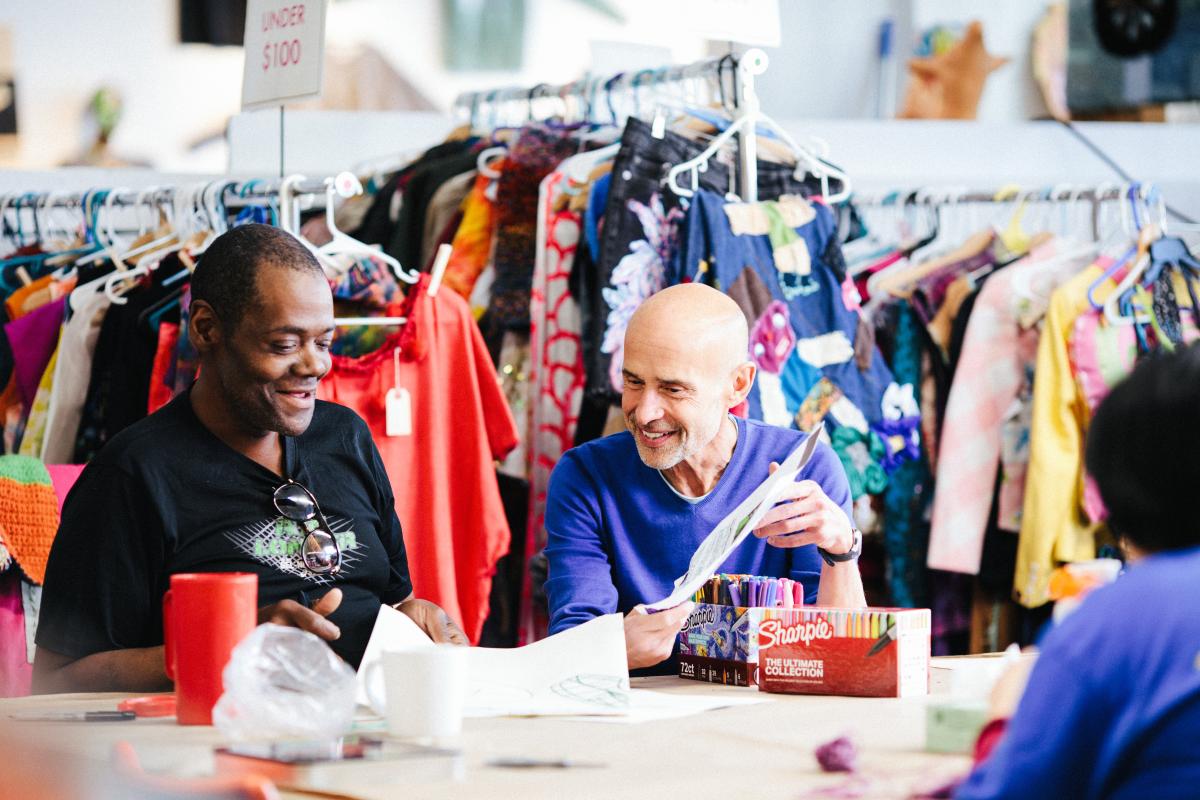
195	487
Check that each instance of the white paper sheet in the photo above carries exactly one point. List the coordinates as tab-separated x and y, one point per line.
734	529
647	705
579	671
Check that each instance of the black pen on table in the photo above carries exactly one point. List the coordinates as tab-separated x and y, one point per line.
73	716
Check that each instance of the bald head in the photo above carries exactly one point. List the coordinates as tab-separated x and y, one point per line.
685	365
692	319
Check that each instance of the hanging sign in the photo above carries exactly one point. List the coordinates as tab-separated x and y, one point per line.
753	22
285	50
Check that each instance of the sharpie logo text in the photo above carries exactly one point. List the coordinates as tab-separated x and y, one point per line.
704	614
772	632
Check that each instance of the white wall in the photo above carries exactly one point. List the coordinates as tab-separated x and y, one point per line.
174	94
828	67
63	50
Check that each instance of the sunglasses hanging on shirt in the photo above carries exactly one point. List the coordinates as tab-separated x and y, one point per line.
320	549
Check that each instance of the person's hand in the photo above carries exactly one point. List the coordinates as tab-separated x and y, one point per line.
295	615
1006	694
806	515
434	621
649	638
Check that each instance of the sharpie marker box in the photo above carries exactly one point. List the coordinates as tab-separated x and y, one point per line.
873	652
718	644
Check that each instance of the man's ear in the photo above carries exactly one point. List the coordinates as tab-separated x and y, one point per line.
743	381
204	327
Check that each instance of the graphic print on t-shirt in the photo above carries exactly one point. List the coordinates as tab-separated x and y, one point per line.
279	543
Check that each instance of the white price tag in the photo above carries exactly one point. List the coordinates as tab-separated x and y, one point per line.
285	51
398	405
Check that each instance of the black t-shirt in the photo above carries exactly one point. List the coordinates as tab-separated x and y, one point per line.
167	496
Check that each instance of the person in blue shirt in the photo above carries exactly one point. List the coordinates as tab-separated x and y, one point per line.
1112	706
625	513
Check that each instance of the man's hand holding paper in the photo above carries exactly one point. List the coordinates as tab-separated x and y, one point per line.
806	515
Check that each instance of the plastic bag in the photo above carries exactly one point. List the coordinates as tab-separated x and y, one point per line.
284	682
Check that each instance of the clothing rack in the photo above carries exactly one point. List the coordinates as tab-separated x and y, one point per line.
584	92
587	90
254	189
212	195
1147	194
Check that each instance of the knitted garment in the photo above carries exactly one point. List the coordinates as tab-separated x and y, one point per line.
28	513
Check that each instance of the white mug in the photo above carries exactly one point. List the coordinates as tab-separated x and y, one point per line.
424	688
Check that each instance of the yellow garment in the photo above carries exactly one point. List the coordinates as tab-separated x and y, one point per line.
472	245
1054	526
39	412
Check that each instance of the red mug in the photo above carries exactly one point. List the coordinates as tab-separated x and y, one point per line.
205	615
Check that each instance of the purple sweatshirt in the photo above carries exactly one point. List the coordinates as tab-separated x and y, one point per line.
618	535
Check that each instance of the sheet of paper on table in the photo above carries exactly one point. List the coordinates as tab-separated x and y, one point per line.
647	705
581	671
734	529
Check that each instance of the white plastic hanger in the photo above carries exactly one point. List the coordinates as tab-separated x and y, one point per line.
169	240
346	184
111	247
435	281
747	122
289	218
487	157
118	282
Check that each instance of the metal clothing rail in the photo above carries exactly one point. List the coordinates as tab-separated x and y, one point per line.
232	193
1147	194
740	100
933	196
587	90
119	208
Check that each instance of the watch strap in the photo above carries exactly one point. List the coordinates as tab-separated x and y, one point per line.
852	554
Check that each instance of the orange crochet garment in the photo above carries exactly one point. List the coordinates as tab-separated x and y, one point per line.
28	513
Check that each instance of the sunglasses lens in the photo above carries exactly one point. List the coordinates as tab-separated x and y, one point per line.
321	553
293	502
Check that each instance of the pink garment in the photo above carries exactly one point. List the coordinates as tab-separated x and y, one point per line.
63	476
557	374
996	358
1102	354
16	673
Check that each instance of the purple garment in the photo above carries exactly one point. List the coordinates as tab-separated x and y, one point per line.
33	338
930	291
618	535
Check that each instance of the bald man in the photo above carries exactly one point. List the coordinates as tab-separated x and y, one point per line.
625	513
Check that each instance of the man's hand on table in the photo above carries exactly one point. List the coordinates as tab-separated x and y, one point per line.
649	638
432	619
295	615
805	516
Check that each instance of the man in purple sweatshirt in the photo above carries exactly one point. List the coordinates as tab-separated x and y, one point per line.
625	513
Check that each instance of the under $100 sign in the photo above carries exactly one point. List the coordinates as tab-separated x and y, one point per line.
285	50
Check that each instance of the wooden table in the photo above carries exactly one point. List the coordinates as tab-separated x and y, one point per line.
764	749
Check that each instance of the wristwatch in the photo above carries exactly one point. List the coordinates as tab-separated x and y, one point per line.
833	559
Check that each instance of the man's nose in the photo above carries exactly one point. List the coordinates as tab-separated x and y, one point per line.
649	408
314	362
